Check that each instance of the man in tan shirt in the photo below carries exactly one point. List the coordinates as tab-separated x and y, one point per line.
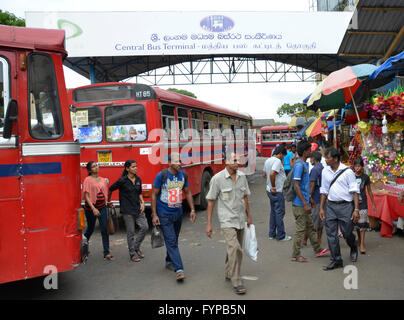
230	188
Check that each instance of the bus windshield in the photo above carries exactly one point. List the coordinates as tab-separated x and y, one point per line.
87	125
125	123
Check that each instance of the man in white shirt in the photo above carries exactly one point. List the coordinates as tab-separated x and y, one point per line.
339	187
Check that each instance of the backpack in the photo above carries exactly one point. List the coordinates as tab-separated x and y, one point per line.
288	187
164	175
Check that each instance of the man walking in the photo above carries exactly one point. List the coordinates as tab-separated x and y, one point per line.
339	186
275	174
230	188
167	209
301	205
315	183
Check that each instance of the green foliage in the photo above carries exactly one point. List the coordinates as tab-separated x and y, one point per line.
10	19
184	92
297	109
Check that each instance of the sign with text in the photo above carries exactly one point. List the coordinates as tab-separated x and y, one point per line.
185	33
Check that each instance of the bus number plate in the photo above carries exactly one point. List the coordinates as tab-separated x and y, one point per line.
104	156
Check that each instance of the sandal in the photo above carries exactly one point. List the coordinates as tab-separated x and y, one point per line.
140	254
133	258
300	259
240	289
109	257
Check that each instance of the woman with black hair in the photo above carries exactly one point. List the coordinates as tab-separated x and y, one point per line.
363	181
131	207
95	194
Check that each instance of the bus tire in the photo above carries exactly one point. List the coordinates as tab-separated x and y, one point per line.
206	177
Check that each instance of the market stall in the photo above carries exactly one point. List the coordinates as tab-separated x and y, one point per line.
382	152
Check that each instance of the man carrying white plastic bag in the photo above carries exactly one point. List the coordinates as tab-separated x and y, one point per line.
250	242
230	188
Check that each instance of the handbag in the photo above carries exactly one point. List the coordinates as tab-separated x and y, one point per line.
157	238
110	224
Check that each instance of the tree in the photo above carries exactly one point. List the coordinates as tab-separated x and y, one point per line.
10	19
184	92
298	109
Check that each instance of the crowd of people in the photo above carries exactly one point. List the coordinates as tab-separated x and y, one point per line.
326	193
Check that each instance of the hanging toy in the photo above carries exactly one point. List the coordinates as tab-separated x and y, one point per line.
384	123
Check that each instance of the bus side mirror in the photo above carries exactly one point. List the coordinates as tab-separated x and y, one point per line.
11	116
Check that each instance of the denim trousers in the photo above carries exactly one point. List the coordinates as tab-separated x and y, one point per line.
171	226
103	220
276	225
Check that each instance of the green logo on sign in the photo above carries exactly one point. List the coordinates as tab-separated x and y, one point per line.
72	29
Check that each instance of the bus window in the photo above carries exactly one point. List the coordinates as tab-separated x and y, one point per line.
276	135
4	88
183	123
196	122
125	123
168	120
210	126
45	116
285	135
87	125
266	136
103	93
224	126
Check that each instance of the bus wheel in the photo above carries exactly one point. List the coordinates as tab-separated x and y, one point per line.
206	177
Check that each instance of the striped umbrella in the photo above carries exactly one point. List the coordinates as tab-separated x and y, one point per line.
338	88
318	125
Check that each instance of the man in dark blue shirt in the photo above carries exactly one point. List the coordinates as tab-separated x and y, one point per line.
301	205
167	210
315	183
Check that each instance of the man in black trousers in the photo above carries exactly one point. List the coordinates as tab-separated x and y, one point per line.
339	187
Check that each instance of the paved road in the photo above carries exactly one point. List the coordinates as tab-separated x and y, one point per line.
274	276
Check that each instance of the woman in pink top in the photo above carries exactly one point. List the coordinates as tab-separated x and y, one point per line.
95	193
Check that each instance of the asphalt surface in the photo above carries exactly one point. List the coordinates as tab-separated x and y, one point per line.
380	272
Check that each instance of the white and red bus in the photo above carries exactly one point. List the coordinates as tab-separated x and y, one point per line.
273	135
40	201
115	122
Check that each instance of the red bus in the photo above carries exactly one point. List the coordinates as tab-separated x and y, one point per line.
39	160
115	122
274	135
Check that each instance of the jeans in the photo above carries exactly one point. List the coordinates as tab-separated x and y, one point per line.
171	226
103	220
276	225
130	221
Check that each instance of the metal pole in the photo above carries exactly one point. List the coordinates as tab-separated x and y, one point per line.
92	73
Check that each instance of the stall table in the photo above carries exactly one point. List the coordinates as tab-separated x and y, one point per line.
387	208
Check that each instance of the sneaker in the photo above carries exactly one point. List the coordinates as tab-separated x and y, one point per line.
271	238
322	253
287	238
180	276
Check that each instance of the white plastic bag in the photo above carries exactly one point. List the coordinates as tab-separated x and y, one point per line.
250	242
